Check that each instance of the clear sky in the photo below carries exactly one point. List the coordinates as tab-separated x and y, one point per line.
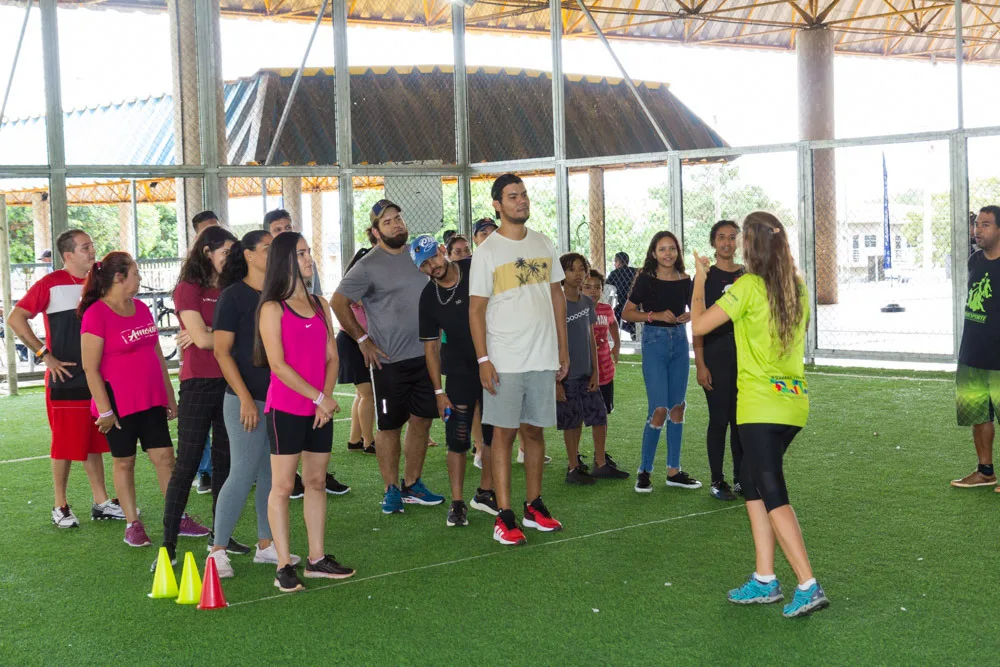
748	96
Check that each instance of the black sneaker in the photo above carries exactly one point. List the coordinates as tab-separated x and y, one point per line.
356	446
579	476
485	500
458	514
233	547
171	551
642	483
298	490
327	568
608	461
609	471
334	487
722	491
287	580
580	463
204	483
738	489
370	449
682	480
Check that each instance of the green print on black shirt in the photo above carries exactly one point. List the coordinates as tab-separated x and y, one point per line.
979	292
981	335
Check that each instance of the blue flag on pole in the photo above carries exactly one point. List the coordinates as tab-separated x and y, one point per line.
886	231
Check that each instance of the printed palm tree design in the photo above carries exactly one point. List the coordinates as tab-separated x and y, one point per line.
529	271
980	292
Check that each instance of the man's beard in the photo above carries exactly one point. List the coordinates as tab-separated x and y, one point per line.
398	241
519	220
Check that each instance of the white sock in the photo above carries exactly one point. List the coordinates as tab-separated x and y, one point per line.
765	578
806	585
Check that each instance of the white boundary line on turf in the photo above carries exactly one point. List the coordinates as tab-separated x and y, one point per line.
493	553
846	375
38	458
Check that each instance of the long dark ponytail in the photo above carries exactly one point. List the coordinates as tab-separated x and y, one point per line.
102	277
235	269
280	279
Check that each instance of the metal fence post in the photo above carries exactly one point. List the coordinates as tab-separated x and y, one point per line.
58	215
461	120
345	157
8	301
959	153
675	182
563	227
208	70
807	244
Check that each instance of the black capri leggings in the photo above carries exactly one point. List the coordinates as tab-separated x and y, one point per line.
720	358
763	476
464	392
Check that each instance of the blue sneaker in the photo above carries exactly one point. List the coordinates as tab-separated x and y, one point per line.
419	494
392	502
806	602
756	592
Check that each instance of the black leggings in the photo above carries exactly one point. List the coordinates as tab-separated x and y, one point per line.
763	472
199	409
464	392
720	358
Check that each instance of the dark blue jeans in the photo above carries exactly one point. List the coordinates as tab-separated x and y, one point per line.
665	368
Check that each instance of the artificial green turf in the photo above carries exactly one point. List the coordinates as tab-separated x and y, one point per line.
868	477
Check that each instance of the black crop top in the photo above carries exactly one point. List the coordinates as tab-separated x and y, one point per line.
653	295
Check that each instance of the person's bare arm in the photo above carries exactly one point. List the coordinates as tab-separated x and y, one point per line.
616	339
194	324
477	325
348	322
22	329
329	405
432	353
704	375
91	351
223	348
595	377
171	398
559	308
631	313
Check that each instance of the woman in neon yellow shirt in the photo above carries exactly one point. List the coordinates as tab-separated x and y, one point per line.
769	308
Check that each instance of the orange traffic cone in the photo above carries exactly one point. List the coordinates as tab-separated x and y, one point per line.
190	582
164	581
212	596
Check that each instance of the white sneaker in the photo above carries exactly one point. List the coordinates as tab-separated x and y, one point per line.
222	564
63	517
109	509
270	555
520	456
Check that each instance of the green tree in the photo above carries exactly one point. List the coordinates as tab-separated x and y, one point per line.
22	234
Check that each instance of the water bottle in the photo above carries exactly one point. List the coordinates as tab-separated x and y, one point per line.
447	414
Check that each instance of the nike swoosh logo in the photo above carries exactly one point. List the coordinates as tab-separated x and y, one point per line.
308	325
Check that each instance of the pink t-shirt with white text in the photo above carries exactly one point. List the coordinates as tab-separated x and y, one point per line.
605	364
129	362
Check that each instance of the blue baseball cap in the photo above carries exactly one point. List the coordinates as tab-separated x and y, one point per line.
423	248
482	224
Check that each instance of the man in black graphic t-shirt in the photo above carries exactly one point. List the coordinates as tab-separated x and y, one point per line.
978	376
444	306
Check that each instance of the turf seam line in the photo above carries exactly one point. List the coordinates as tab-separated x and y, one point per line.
492	553
847	375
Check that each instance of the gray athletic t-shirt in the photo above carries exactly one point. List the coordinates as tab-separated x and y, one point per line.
581	316
389	287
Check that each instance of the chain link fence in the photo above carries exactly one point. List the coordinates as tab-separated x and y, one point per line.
883	250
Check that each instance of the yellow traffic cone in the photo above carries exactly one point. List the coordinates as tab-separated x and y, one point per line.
164	582
190	582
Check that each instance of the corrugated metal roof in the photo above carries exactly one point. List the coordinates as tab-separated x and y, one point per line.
399	114
897	28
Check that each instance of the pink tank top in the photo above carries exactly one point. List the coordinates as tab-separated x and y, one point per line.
304	341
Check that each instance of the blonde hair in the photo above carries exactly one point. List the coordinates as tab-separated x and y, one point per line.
766	253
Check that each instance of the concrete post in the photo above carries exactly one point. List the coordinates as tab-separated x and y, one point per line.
10	351
187	121
291	197
125	227
317	242
596	219
814	50
40	224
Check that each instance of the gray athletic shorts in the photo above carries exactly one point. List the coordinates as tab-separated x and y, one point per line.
522	398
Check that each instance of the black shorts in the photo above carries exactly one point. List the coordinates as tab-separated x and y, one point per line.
148	427
402	389
581	406
352	363
608	393
294	434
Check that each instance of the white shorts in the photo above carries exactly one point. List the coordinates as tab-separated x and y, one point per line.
522	398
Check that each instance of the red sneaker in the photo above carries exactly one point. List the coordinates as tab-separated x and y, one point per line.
507	532
537	516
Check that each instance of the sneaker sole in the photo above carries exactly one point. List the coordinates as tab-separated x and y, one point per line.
326	575
338	493
639	489
399	511
72	525
260	561
203	493
757	600
230	551
808	609
295	497
298	587
460	524
137	546
723	498
106	517
205	534
528	523
410	500
508	543
959	485
482	507
691	487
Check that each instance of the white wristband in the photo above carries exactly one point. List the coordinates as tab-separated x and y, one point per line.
319	399
362	339
438	392
104	415
482	359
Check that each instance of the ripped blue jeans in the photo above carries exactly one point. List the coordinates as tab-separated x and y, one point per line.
665	368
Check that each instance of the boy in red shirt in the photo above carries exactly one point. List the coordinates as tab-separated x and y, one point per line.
607	355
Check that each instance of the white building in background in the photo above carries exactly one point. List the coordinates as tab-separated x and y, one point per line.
862	238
